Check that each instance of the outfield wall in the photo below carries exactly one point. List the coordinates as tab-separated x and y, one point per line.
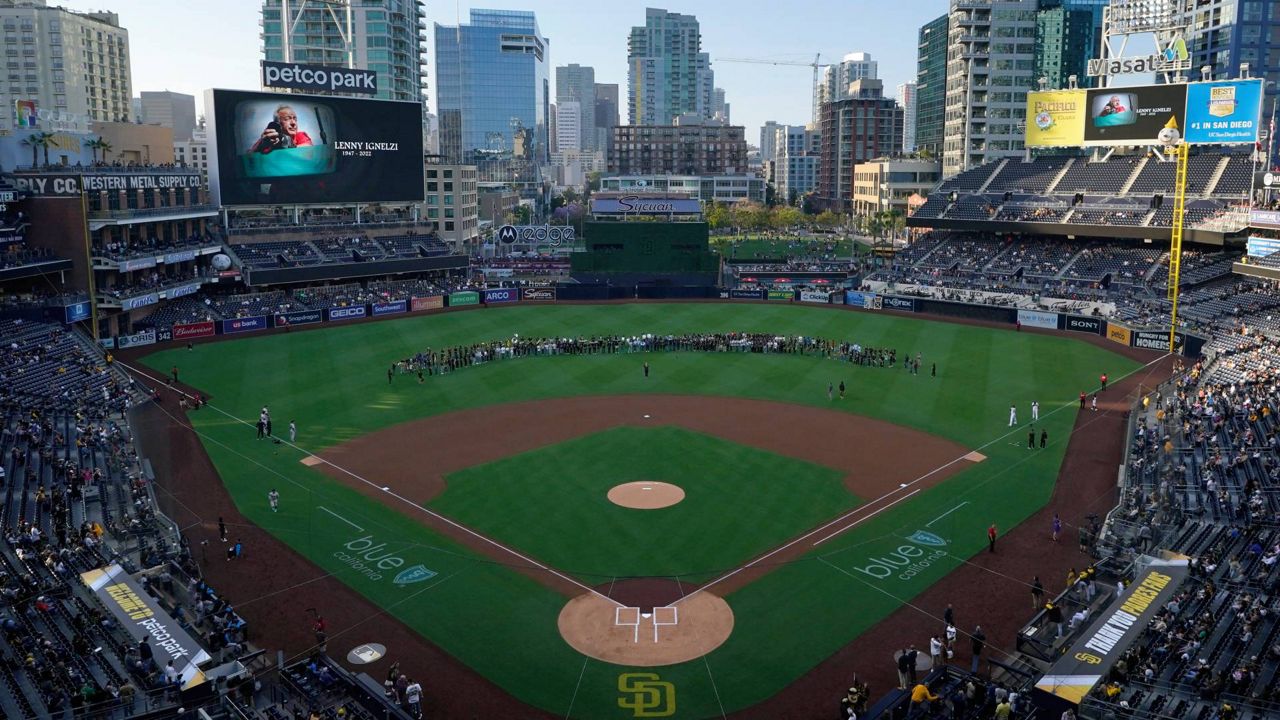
1144	338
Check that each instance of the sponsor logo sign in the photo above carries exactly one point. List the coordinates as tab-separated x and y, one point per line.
77	312
182	290
469	297
188	331
780	295
537	294
177	257
135	264
539	234
1036	319
1118	333
646	695
318	78
1055	118
73	185
1084	324
501	295
239	325
636	205
140	301
921	550
889	302
390	308
1223	112
431	302
1262	247
746	294
813	296
146	337
1264	218
1149	340
374	560
857	298
107	342
347	313
299	317
1174	57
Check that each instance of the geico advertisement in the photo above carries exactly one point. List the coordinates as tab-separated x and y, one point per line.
305	149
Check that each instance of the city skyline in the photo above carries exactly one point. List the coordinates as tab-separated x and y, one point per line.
228	50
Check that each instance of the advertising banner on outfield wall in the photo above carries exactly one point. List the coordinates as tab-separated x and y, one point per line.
891	302
780	295
857	298
1227	111
146	337
351	312
390	308
814	296
1156	340
746	294
164	334
134	303
190	331
1055	118
468	297
239	325
1037	319
1084	324
541	294
300	317
1117	333
431	302
501	295
1260	246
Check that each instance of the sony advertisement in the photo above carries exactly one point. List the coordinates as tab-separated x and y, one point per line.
1133	115
303	149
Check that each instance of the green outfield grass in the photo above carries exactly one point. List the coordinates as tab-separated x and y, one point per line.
749	500
502	623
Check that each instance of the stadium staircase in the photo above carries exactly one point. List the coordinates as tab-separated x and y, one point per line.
1053	184
1063	272
1133	177
1212	185
1066	219
994	175
1146	219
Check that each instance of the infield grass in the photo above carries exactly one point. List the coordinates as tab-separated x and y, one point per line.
333	383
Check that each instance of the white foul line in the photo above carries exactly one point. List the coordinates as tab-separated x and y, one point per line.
864	519
340	518
931	522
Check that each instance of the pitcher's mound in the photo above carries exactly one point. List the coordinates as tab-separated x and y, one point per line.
599	628
646	495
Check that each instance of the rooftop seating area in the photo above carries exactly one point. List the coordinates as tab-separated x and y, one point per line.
277	254
119	250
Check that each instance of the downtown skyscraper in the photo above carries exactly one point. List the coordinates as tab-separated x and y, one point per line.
668	75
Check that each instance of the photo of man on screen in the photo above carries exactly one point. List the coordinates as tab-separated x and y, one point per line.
282	132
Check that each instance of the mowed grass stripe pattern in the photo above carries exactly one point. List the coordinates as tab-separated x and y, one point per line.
333	383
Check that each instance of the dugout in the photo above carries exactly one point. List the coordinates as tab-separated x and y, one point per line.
662	253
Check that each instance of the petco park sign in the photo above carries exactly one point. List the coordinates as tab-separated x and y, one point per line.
319	78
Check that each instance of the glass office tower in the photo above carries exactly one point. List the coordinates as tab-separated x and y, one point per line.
492	95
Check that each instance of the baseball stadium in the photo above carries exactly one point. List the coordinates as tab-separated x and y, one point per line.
275	445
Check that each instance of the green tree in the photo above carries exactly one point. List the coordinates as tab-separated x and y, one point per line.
717	215
827	219
787	217
36	141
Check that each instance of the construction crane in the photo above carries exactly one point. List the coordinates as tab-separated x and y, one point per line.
816	65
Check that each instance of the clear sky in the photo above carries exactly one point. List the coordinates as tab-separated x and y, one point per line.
189	46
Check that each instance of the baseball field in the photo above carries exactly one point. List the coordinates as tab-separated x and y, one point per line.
542	520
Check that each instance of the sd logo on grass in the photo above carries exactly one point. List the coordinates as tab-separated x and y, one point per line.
924	537
414	574
646	695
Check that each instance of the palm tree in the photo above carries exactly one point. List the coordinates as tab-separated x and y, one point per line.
105	147
94	145
35	141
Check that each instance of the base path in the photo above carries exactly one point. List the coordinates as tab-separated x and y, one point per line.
877	457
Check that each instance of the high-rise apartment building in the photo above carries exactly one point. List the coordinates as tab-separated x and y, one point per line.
607	116
568	134
799	149
769	140
493	92
908	99
833	83
931	85
176	111
719	108
668	75
577	84
692	146
861	127
386	36
65	69
990	68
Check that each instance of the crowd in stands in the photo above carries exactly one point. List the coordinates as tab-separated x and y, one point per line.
15	255
123	250
337	249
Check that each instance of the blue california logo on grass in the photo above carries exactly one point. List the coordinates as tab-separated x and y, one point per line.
414	574
924	537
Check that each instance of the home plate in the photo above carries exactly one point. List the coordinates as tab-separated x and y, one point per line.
646	615
311	460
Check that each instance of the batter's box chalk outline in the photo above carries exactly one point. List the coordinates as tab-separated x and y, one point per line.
628	617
